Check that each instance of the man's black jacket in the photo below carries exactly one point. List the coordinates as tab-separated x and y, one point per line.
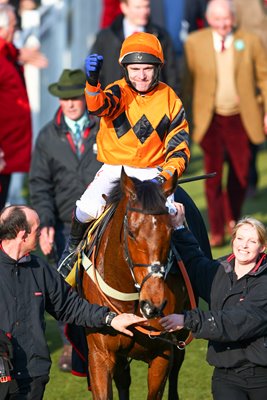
57	176
28	288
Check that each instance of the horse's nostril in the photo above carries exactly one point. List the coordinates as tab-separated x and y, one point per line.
150	311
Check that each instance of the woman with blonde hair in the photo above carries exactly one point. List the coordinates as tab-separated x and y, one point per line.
235	287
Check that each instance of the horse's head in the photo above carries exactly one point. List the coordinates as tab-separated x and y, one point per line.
147	235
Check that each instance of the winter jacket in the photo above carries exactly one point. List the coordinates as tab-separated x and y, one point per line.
140	131
28	288
108	43
236	325
15	114
58	177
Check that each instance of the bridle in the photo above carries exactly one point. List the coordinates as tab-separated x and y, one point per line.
158	269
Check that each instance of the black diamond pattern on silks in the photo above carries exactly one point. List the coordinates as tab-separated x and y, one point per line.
143	129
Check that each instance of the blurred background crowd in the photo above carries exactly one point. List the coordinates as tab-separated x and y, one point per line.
48	37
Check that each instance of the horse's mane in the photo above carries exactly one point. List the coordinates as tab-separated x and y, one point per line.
149	195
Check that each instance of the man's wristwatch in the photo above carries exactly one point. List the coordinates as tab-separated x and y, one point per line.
109	317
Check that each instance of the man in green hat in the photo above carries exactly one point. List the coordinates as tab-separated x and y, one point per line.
63	164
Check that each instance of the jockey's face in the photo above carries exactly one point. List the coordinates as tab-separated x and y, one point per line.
141	76
73	108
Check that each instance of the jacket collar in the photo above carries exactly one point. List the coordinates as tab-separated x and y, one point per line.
8	50
261	265
117	28
8	260
61	124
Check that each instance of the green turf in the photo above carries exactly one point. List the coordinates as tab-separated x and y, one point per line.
195	373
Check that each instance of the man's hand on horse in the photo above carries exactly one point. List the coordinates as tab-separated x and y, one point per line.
121	321
172	322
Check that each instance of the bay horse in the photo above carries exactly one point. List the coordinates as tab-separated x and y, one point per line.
131	260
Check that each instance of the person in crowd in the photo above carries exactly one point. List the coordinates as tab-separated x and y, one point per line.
235	287
28	288
135	17
179	18
63	164
142	127
15	116
252	16
225	68
110	10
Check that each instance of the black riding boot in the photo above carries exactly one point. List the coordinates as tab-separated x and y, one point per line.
76	234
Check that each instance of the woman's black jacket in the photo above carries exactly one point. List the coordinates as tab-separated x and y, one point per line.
236	325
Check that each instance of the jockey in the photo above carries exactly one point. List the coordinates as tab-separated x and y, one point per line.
142	127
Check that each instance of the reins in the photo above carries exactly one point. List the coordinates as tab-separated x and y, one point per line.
153	334
181	344
154	269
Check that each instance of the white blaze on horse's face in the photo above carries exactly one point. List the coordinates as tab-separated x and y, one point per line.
148	241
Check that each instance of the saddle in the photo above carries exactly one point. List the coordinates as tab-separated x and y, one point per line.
90	241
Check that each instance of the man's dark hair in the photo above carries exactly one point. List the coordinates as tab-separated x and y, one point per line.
12	222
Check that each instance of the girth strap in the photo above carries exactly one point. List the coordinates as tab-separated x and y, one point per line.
108	290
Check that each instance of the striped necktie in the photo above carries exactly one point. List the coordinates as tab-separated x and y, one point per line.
77	138
222	45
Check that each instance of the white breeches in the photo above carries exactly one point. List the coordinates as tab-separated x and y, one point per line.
91	204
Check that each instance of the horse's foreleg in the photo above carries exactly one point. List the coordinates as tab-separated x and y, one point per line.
101	368
122	378
178	359
157	376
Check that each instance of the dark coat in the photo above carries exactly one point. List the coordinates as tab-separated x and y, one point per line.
236	325
108	43
28	288
15	114
58	177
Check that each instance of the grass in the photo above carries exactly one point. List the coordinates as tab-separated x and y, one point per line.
195	374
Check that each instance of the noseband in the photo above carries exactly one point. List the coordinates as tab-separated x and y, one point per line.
154	268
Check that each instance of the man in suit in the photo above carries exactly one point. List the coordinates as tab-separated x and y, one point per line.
225	66
135	18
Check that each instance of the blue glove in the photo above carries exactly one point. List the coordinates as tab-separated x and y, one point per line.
93	65
159	180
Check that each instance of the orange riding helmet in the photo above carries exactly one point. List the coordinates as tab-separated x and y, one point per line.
142	48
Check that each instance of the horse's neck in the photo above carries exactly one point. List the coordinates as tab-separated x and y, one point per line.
114	264
116	227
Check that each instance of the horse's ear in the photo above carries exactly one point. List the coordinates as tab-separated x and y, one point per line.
127	185
170	185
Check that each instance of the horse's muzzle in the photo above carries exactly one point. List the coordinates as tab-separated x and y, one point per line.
149	310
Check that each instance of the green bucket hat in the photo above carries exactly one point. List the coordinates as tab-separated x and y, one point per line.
71	84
